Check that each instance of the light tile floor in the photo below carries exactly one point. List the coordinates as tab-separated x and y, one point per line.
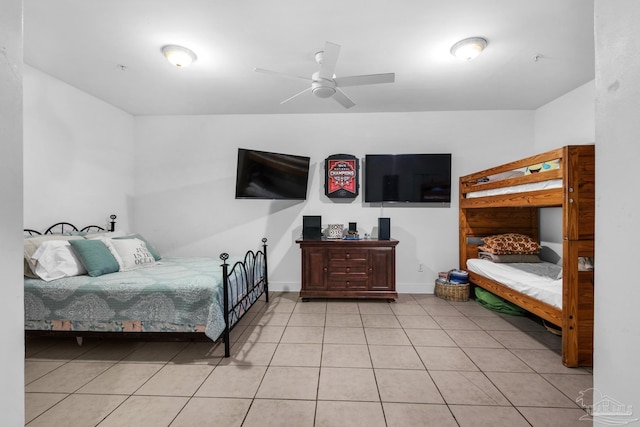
419	361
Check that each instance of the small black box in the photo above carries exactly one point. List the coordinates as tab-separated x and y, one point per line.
384	228
353	227
311	227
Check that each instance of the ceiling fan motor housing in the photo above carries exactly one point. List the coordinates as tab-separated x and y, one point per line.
325	84
322	88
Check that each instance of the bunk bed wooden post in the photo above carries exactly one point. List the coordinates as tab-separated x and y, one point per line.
463	233
578	225
518	213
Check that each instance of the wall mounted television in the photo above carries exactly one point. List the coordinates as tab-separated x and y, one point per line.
267	175
407	178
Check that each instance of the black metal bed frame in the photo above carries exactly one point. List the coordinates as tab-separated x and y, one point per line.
59	228
243	284
250	283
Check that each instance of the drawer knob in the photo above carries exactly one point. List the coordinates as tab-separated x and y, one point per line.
348	254
348	269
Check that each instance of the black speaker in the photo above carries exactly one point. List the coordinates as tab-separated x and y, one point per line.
311	227
353	227
384	228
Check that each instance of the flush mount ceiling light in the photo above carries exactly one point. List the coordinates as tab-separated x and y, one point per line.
179	56
468	49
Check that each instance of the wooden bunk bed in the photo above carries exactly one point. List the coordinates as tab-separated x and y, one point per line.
517	212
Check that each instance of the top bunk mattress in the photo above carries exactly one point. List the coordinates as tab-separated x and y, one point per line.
538	280
533	186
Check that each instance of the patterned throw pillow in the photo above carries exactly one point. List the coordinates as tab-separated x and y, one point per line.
510	243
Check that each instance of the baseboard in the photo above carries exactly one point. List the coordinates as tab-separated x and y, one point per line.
401	288
284	286
416	288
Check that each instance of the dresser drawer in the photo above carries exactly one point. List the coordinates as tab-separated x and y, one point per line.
347	282
348	267
347	255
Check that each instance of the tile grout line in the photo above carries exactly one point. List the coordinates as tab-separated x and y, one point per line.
397	313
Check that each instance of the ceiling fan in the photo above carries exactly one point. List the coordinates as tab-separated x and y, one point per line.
325	84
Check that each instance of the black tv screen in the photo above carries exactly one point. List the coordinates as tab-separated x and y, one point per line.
407	178
266	175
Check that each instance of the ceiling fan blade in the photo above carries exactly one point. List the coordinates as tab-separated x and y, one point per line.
296	95
343	99
369	79
278	73
329	60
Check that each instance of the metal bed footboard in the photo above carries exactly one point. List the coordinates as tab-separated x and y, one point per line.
243	285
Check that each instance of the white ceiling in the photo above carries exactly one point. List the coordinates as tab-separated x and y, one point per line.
85	43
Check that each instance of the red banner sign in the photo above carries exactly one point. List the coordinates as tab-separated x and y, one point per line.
341	175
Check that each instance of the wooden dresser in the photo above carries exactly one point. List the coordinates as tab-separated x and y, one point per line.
348	268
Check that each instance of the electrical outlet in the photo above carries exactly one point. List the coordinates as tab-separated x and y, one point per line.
420	268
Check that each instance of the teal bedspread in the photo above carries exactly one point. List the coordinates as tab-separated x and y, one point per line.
176	294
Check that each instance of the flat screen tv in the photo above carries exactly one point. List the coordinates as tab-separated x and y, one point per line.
266	175
407	178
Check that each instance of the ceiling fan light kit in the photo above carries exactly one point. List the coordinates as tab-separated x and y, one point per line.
322	88
325	84
469	49
179	56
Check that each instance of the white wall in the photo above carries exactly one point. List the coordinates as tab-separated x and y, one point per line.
80	168
567	120
11	303
78	156
185	178
617	317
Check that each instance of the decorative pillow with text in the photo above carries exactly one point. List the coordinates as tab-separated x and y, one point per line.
130	253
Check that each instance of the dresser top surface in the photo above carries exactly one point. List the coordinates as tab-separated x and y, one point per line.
347	242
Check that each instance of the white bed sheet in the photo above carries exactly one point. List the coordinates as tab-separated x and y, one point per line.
533	186
538	282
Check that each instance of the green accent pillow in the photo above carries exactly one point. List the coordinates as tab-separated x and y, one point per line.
150	248
95	257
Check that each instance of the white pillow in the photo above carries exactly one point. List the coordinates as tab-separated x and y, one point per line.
105	235
31	245
505	175
130	253
54	259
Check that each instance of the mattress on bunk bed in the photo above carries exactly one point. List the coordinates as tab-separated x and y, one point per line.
540	280
174	295
521	188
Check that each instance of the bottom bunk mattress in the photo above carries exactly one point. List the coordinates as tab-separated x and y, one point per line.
174	295
539	280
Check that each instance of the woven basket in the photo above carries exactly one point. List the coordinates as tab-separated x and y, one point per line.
452	292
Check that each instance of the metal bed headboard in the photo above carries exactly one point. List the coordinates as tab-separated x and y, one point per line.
65	227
